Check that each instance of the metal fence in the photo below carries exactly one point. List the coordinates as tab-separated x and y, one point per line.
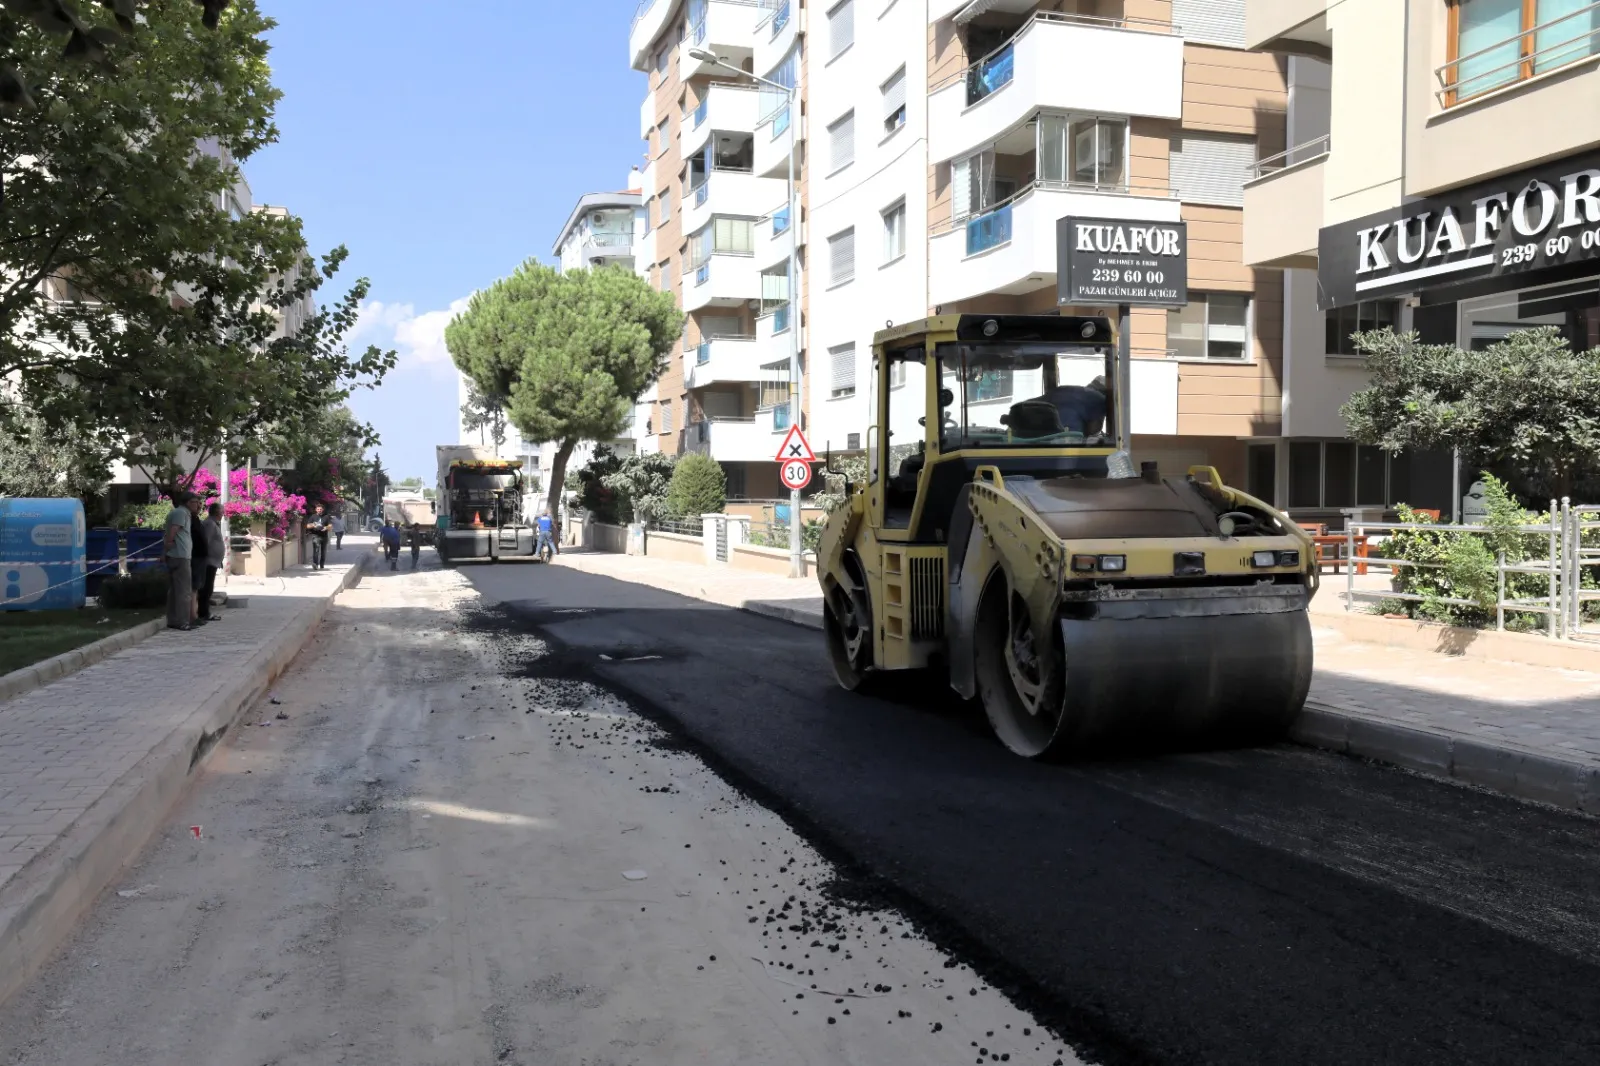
1570	566
687	527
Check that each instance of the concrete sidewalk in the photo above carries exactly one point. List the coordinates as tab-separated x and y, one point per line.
90	763
1525	730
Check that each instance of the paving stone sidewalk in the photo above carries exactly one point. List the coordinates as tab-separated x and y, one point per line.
1536	729
64	745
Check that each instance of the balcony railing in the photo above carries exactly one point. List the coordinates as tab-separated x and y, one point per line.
697	32
780	319
640	12
780	19
990	74
989	230
780	220
780	418
699	114
702	274
702	353
701	191
1300	153
780	121
1553	44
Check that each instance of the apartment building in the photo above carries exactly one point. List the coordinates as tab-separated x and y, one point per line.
941	140
721	148
1442	175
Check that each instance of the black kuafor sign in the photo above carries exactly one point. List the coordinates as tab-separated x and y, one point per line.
1545	216
1121	261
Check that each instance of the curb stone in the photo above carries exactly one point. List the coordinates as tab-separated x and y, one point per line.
1511	771
42	905
70	662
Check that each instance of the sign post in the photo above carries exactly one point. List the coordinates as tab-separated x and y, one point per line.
794	468
1129	262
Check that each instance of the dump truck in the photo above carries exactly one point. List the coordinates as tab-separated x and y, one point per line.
480	502
411	509
1004	536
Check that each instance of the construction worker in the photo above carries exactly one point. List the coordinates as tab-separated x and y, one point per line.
389	537
416	543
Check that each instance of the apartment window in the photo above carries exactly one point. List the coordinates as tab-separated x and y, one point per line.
662	58
1334	474
1215	325
730	236
843	380
841	27
1212	21
842	257
894	101
1211	168
1491	43
665	200
663	132
1083	150
1359	318
666	417
972	184
842	141
894	232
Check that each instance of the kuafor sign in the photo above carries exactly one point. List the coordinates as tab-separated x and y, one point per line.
1545	216
1137	262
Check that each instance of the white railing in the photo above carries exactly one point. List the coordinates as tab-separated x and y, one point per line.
1315	148
1567	564
1583	43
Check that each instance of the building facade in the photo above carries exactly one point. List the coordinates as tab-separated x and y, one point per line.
937	144
1443	175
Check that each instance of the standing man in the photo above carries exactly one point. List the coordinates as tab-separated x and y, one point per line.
338	531
546	535
416	542
318	528
177	552
389	536
214	556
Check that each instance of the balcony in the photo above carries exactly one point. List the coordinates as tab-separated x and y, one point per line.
723	280
722	360
1011	248
649	20
772	239
726	109
725	29
735	193
1008	86
734	440
773	342
1283	208
647	116
1298	27
600	249
776	33
778	138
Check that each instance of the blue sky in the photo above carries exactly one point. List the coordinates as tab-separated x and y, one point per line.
443	142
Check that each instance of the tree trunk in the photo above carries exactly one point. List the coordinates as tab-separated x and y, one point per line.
558	476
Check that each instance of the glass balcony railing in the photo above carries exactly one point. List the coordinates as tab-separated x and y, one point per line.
989	230
702	274
701	192
702	353
697	32
780	220
780	19
780	319
699	114
780	418
991	73
780	122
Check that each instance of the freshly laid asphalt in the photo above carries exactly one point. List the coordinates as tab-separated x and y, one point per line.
1268	906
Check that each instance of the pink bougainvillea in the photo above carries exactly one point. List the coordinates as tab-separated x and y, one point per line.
254	498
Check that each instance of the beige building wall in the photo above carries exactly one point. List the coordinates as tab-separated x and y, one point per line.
1366	169
667	271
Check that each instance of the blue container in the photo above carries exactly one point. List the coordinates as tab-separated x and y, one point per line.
144	549
100	557
42	546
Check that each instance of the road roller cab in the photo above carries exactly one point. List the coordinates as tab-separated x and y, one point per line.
1004	533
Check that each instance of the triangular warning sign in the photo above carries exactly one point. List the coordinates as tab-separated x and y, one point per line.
794	446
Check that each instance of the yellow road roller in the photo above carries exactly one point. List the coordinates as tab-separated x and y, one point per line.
1004	534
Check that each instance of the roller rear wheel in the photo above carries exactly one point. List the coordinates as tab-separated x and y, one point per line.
847	621
1024	703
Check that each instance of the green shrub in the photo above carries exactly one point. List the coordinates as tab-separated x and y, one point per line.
698	487
144	588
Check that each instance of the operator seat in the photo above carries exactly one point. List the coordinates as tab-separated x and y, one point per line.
1032	420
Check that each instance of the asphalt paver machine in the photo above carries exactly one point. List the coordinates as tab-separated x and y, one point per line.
1004	535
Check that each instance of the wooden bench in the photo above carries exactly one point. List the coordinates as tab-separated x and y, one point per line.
1330	547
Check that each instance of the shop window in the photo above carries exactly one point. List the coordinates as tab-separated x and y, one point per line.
1305	474
1372	488
1262	472
1343	322
1338	474
1333	475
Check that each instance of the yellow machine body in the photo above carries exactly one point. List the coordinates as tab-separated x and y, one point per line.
1087	603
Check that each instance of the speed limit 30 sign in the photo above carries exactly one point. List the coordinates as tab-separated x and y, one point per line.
796	474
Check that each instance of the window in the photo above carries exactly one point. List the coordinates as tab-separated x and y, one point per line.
1213	21
1211	326
841	27
843	380
663	135
735	489
662	58
1211	168
1261	476
852	442
730	236
1083	150
665	200
894	232
894	101
1497	42
1359	318
972	184
842	141
666	417
842	257
1335	474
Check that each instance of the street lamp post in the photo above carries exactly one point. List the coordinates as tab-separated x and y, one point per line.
797	562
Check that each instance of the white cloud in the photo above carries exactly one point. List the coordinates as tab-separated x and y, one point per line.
418	339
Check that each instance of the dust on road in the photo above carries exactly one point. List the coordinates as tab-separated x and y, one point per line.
447	853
